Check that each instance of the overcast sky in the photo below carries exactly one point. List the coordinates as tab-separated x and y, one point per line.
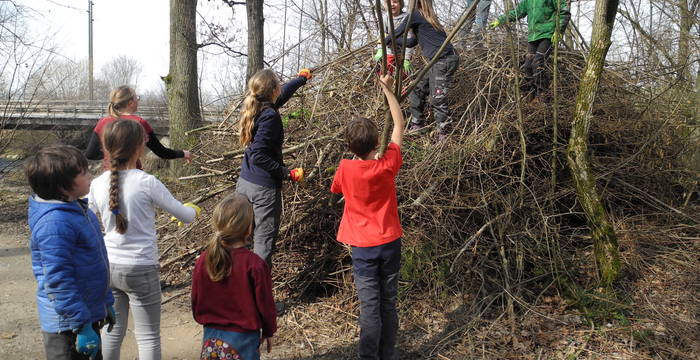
140	30
136	28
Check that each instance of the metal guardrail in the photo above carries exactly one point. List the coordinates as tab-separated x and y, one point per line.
78	114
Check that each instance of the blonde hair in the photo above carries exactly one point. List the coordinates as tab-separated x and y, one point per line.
122	139
118	99
261	88
232	220
426	9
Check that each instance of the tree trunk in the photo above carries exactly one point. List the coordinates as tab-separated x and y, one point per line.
181	82
256	37
604	238
684	44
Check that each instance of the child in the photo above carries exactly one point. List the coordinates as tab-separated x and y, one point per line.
128	217
69	258
436	83
542	34
228	270
371	225
263	170
123	104
399	16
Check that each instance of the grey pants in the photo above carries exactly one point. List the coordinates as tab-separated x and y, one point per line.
135	287
267	207
61	346
482	14
435	84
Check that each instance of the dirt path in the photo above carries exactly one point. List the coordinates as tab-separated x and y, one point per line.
19	323
20	332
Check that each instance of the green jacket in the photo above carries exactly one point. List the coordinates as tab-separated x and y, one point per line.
541	17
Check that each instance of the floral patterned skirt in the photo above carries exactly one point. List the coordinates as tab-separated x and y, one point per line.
230	345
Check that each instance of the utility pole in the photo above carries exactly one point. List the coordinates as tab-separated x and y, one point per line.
90	68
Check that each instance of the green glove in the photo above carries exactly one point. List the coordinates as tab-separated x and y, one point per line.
407	67
378	55
556	37
494	24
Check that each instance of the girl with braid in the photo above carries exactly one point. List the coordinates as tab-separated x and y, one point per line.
234	328
128	216
123	104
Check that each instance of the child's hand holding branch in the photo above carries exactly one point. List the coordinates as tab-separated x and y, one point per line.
387	83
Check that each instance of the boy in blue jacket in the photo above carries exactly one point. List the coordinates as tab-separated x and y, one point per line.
69	258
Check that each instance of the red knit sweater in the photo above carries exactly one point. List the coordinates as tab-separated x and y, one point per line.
241	302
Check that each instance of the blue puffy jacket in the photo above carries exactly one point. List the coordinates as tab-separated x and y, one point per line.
70	264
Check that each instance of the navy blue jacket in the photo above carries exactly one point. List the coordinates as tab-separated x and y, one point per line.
262	160
70	264
428	37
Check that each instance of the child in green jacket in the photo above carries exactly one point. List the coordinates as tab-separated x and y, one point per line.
542	33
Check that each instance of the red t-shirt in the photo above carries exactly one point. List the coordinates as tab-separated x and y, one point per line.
371	214
241	302
108	119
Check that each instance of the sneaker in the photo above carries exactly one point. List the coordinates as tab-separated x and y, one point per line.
415	127
281	308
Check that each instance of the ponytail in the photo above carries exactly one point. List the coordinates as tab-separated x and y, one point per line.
251	108
261	88
219	262
118	99
232	220
120	220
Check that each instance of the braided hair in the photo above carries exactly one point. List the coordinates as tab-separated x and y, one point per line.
123	139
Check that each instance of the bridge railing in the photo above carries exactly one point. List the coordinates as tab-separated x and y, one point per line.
86	108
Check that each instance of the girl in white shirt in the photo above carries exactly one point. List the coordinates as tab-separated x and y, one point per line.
125	199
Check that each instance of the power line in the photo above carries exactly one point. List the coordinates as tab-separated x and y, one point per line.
65	6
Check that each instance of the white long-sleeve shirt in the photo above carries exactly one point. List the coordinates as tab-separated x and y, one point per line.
139	194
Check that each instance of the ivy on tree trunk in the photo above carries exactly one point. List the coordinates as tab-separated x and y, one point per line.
605	246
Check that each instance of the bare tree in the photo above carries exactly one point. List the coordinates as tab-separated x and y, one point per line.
181	82
122	70
605	247
256	37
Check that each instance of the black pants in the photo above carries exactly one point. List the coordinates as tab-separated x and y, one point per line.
61	346
535	68
436	85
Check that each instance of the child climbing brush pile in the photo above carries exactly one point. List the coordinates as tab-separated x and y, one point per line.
542	34
436	84
399	17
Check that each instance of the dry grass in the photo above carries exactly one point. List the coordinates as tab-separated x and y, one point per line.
484	249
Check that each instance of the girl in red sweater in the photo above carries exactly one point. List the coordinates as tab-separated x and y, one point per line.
232	287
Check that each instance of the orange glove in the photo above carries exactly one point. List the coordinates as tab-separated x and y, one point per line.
297	174
305	73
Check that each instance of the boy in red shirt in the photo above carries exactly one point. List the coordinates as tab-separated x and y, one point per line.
371	226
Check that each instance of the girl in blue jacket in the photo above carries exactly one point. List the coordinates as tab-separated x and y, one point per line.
69	259
263	170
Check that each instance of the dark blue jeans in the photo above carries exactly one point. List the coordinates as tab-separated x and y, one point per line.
376	273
